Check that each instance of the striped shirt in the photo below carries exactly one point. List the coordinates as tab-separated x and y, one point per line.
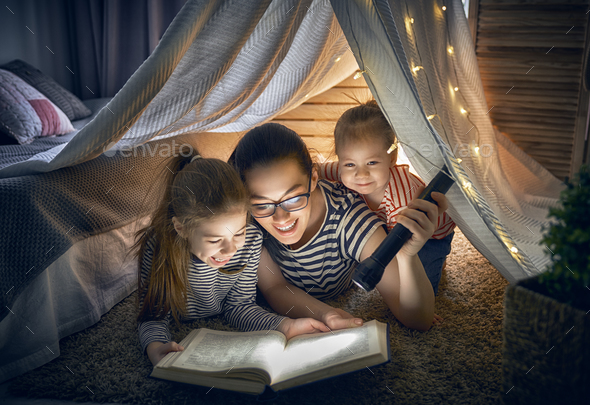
398	194
323	266
230	290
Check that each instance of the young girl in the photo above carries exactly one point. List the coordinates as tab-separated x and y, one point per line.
316	231
366	148
199	257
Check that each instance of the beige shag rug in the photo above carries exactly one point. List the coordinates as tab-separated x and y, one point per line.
458	362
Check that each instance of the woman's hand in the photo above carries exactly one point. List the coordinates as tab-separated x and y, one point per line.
293	327
337	318
421	224
156	351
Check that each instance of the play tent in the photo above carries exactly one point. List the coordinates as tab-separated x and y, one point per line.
205	77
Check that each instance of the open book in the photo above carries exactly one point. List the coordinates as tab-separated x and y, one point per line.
250	361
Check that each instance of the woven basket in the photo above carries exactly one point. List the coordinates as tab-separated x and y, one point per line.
544	359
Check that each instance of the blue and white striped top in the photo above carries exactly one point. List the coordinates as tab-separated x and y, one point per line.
323	266
230	290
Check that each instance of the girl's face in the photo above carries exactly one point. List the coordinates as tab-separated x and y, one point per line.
364	166
274	184
215	241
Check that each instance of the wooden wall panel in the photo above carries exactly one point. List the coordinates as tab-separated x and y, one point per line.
530	59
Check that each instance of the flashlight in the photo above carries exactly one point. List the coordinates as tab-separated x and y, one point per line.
369	272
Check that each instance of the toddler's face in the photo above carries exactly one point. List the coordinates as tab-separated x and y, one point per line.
215	241
364	166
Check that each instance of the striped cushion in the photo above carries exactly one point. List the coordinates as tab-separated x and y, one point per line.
71	105
25	113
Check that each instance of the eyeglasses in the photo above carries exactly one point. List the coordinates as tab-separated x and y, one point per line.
296	203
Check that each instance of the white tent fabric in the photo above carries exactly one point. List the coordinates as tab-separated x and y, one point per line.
206	77
221	65
414	54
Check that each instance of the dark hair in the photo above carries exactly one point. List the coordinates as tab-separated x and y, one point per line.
194	191
263	146
364	122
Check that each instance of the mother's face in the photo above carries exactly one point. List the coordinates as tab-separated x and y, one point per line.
276	183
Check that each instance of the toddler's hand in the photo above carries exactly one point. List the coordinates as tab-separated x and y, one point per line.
437	320
293	327
337	318
156	351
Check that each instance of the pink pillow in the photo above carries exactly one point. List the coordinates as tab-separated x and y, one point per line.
25	113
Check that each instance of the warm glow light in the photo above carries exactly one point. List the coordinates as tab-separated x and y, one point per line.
391	148
476	149
450	49
417	68
444	8
412	20
307	95
456	89
431	116
459	160
463	111
357	75
513	249
466	185
337	59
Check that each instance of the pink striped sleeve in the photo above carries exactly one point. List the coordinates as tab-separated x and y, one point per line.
329	171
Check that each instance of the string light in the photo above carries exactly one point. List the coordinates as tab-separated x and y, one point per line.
476	149
463	111
456	89
431	116
357	75
466	185
417	68
411	21
444	8
307	95
391	148
450	50
459	160
338	59
513	249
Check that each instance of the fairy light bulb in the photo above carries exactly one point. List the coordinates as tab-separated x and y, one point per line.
338	59
476	149
391	148
459	160
417	68
450	50
466	185
444	8
463	111
357	75
411	21
456	89
513	249
431	116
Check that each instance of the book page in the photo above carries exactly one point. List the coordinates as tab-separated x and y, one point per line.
214	351
307	353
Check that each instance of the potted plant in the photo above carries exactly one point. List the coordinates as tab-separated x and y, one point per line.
546	334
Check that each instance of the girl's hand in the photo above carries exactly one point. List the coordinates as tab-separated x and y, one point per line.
156	351
421	224
337	318
293	327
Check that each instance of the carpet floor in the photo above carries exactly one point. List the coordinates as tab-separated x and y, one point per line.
457	362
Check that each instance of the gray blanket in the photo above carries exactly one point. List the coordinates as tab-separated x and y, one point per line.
42	216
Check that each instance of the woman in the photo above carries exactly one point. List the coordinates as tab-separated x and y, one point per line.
316	231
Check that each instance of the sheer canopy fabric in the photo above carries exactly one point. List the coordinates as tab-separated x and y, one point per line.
203	76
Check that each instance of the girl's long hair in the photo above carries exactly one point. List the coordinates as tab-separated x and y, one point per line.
194	192
263	146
